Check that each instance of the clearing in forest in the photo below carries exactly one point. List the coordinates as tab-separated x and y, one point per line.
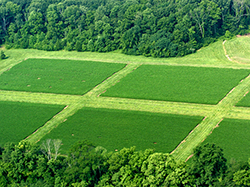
206	76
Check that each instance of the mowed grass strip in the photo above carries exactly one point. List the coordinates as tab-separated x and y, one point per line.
233	136
176	83
19	120
116	129
57	76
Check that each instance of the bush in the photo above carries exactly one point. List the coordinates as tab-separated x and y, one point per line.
2	56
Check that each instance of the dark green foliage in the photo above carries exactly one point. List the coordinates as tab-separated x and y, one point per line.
57	76
19	120
2	55
150	28
209	165
24	165
175	83
233	135
115	129
85	163
230	177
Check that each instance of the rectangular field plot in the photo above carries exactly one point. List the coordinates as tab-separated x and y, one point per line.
57	76
233	136
245	102
116	129
19	120
178	83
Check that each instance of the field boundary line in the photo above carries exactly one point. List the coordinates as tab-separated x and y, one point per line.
35	97
56	120
191	109
222	109
82	59
112	80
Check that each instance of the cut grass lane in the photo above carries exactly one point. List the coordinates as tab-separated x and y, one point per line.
111	81
151	106
46	98
199	134
54	122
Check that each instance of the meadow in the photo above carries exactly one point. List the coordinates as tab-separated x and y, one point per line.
57	76
238	49
19	120
116	129
233	136
178	83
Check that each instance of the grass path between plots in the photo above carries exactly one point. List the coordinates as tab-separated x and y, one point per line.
213	113
199	134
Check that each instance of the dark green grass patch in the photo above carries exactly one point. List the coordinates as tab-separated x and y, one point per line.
57	76
116	129
233	136
245	102
178	83
19	120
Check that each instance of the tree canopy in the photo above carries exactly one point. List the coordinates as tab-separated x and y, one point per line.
88	165
165	28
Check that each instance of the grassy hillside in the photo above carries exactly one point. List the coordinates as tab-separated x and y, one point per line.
212	55
238	49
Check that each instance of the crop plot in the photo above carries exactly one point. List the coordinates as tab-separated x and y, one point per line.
115	129
19	120
245	102
234	137
178	83
57	76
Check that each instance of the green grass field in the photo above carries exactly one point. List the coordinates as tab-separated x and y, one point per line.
178	83
202	77
233	136
115	129
238	49
19	120
57	76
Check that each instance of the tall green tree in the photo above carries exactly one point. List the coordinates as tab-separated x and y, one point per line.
209	165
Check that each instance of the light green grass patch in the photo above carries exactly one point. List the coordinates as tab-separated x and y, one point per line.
238	49
116	129
57	76
19	120
178	83
233	136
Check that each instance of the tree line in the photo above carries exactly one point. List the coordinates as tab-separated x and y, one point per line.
158	28
29	165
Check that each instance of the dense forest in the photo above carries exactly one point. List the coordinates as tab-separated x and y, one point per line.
158	28
86	165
